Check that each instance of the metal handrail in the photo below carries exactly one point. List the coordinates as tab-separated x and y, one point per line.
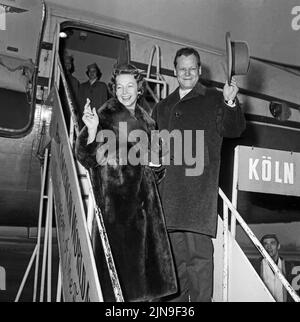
97	212
70	102
154	49
159	80
259	246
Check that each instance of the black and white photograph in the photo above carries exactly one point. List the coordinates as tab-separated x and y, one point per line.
150	153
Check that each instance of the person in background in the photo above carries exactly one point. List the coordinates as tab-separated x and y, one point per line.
272	246
126	193
73	81
190	202
74	85
93	89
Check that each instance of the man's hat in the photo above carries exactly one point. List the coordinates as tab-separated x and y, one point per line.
237	55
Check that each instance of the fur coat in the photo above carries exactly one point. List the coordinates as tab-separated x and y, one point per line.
133	216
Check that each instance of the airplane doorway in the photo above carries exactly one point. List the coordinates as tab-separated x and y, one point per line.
88	45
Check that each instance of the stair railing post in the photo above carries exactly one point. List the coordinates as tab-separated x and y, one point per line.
32	258
59	283
234	190
225	252
46	246
41	209
49	260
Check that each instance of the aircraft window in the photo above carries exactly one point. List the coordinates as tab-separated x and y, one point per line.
15	109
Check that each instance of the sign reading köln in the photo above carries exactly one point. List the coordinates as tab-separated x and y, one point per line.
268	171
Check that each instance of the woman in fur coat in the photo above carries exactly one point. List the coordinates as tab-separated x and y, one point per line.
126	192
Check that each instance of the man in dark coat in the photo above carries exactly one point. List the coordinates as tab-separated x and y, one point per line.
74	85
93	89
190	202
73	81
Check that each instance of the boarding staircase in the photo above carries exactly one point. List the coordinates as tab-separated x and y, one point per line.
235	279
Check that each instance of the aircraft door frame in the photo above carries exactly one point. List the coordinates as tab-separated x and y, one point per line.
27	66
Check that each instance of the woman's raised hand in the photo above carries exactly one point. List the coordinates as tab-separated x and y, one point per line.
90	116
91	120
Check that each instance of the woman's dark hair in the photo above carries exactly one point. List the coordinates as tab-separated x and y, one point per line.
130	69
187	51
99	74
